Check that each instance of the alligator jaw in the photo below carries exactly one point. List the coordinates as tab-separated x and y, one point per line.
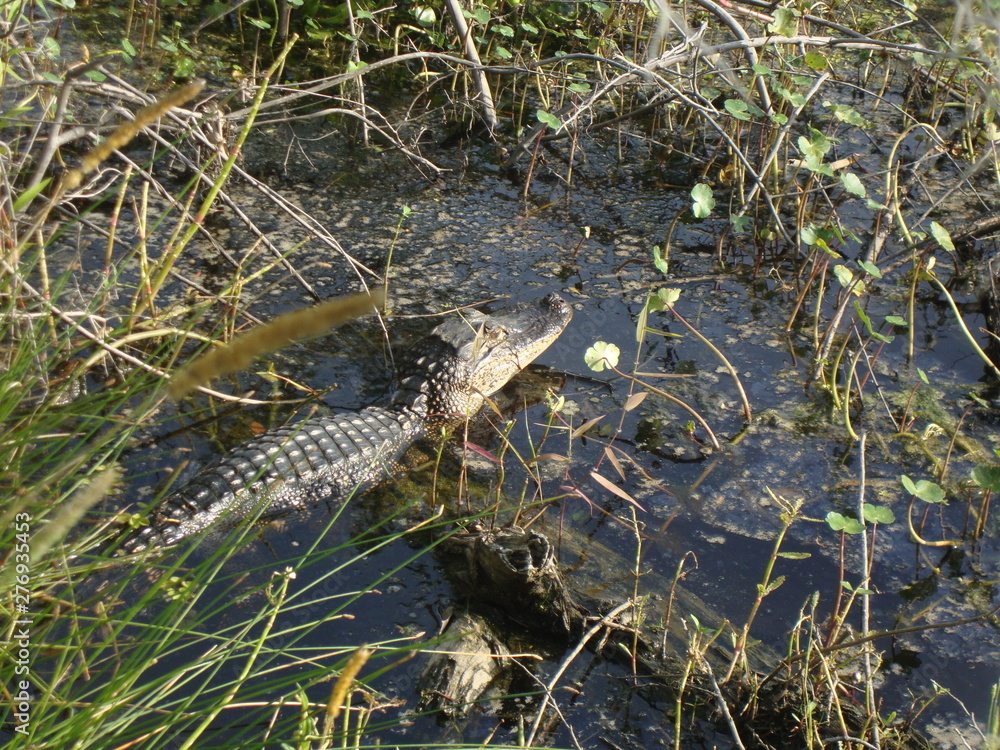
466	359
509	342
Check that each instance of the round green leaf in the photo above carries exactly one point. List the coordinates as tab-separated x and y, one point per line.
852	184
839	522
601	355
987	477
737	109
926	491
668	296
704	202
548	119
942	237
785	22
878	514
425	15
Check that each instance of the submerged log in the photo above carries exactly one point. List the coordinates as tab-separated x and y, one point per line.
510	576
470	667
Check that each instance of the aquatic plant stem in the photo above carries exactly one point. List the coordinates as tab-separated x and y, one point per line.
788	515
356	61
747	413
489	110
919	539
961	324
870	703
720	702
673	400
846	401
557	675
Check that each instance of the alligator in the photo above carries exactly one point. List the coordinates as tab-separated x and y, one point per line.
446	378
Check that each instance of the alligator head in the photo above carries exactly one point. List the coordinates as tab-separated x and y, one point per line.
469	357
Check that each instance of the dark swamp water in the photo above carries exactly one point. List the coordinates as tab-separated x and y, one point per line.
470	236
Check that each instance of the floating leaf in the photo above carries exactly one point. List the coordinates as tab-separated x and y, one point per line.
548	119
601	355
704	202
853	185
942	237
844	275
847	114
785	22
926	491
877	513
737	109
839	522
816	60
870	268
792	97
987	477
897	321
740	223
795	555
669	296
